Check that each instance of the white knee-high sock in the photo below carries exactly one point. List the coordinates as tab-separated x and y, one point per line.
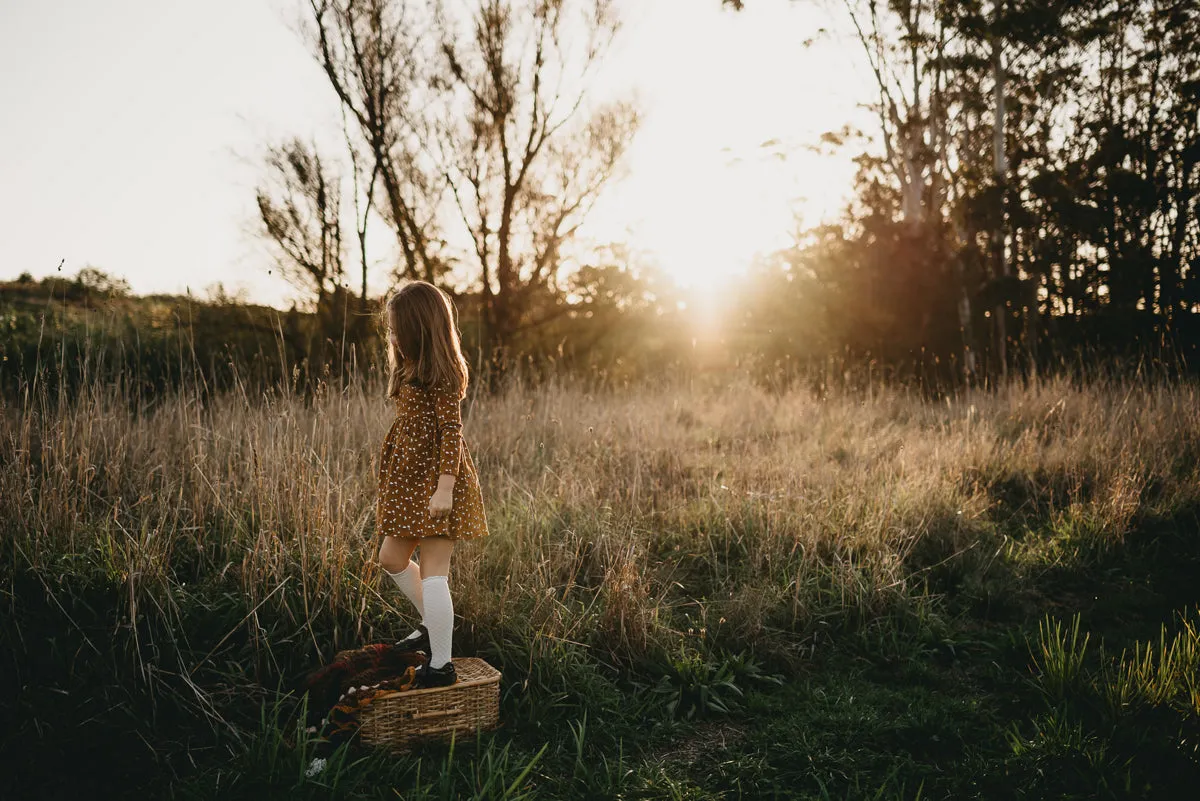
439	618
409	582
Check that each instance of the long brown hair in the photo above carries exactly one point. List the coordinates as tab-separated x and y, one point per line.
423	341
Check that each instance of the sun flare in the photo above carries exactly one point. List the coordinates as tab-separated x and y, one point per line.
724	167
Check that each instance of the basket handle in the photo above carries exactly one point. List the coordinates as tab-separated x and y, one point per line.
437	713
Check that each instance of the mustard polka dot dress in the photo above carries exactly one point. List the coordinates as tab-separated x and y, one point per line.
424	443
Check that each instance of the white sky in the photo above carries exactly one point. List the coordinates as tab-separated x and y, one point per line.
129	129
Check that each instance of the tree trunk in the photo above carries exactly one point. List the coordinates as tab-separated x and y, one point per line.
1000	169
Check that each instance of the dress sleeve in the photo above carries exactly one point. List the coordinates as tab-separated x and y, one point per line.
449	427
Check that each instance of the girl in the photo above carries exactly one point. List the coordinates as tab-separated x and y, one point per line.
428	488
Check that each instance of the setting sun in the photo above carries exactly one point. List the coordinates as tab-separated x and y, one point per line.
727	160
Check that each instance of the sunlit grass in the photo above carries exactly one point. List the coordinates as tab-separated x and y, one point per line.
617	515
660	549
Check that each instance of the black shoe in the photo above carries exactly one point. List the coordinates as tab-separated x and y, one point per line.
427	676
415	643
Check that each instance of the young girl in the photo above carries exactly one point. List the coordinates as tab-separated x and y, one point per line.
428	489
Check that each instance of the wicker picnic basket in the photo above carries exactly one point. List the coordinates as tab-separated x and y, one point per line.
398	720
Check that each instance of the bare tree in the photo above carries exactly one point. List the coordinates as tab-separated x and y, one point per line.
527	165
375	56
484	117
365	182
299	206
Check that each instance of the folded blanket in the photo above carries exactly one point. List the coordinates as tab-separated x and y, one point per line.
339	692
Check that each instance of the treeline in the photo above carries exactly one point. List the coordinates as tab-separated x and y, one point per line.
1027	199
1031	194
68	334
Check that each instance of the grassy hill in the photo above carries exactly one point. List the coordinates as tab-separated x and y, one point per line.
78	331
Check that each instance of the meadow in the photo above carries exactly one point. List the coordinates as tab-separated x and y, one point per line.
695	589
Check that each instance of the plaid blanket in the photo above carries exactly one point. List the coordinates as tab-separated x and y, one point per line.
340	691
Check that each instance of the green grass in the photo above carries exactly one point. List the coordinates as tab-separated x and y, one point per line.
708	591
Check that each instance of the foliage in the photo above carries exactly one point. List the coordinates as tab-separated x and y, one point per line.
1030	193
1061	658
697	684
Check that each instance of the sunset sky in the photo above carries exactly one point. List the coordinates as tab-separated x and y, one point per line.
129	132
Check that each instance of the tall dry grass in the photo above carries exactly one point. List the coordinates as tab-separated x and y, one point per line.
619	518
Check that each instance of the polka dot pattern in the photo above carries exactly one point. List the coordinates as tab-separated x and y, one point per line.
425	442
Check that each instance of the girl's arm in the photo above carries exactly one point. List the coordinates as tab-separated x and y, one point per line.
450	446
449	427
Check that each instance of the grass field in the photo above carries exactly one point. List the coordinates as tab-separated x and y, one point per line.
694	591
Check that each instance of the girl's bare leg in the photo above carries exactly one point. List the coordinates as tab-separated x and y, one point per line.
396	553
435	556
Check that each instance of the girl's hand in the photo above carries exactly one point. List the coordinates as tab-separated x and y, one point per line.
443	498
